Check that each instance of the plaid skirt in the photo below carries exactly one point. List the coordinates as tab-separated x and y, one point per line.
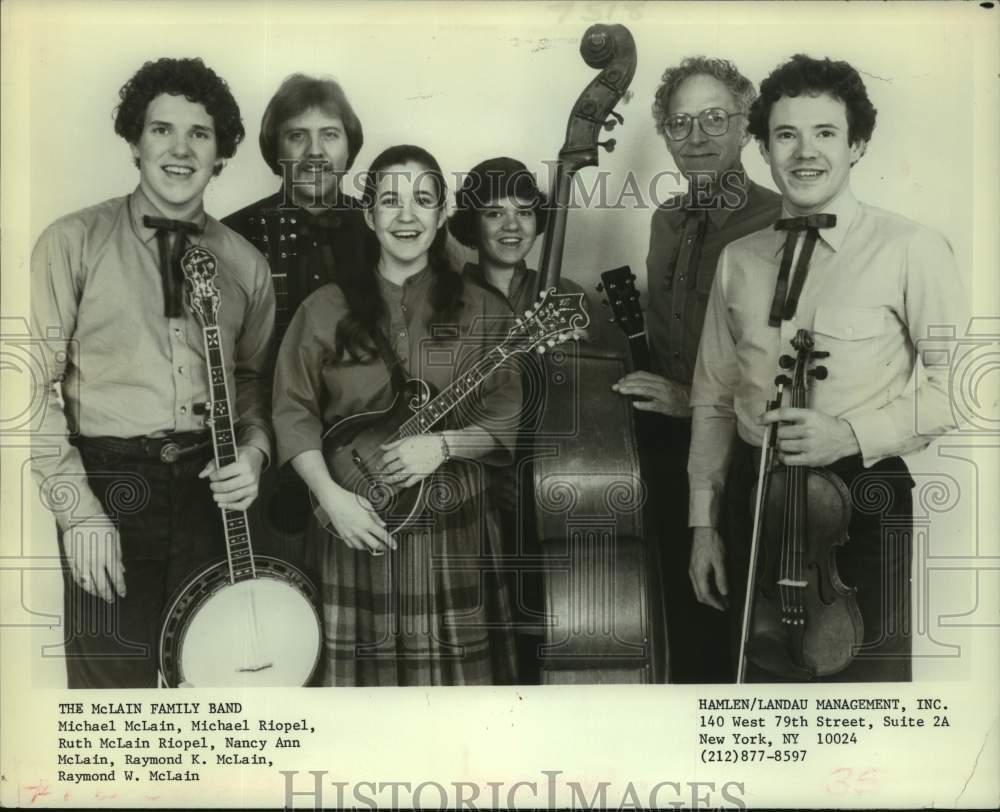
435	611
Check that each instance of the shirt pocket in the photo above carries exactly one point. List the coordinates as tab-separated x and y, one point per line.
849	324
853	337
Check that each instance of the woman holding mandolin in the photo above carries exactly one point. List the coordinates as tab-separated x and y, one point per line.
421	605
500	212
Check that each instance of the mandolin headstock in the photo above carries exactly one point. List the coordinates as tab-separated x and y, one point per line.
555	315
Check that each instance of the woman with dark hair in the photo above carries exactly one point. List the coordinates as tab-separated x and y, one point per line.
425	606
500	212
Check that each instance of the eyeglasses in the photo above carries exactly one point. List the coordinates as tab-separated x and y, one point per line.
713	121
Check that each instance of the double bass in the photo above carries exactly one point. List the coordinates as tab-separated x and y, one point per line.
800	620
604	608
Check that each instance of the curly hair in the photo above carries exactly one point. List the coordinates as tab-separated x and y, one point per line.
365	305
190	78
722	69
803	74
297	94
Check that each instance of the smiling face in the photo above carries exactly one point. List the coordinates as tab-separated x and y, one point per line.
177	154
506	231
406	214
700	153
808	150
316	142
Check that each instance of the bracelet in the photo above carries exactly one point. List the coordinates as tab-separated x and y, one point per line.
444	448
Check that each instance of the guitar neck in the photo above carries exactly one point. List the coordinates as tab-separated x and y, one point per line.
639	349
438	407
220	423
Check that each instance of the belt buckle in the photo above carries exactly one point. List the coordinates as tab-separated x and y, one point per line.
170	452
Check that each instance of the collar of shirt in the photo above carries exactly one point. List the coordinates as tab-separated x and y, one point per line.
417	280
517	281
845	206
139	205
735	180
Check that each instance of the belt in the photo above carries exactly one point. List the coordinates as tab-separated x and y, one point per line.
167	449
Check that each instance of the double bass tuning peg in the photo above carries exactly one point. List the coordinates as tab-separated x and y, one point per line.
786	362
609	145
819	373
617	118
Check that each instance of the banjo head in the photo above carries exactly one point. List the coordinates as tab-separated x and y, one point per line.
261	632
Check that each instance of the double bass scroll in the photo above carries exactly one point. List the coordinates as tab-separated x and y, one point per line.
601	578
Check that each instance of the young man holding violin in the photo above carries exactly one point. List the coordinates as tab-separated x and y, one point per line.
867	284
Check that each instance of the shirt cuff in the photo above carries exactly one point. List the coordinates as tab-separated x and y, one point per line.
876	434
289	447
704	508
257	438
88	509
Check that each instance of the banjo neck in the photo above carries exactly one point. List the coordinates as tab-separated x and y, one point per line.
238	548
199	266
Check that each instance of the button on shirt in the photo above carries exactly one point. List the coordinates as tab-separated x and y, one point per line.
876	283
125	369
676	308
304	251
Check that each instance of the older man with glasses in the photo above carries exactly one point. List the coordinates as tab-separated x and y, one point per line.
701	111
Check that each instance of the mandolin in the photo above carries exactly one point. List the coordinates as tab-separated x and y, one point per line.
352	448
248	620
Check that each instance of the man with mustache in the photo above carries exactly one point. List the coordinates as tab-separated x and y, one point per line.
128	466
311	234
867	284
700	110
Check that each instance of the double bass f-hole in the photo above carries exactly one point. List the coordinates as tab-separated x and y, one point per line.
800	621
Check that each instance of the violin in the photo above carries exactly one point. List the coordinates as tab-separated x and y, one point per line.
800	620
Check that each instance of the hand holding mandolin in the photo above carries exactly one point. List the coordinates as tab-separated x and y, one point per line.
354	520
410	460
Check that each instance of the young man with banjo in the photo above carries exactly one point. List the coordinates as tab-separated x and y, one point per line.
131	479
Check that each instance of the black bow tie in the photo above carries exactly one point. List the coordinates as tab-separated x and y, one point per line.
171	273
166	224
809	221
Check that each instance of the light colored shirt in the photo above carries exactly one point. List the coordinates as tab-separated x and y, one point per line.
876	284
125	369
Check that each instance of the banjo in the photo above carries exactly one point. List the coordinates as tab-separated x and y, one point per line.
352	447
248	620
